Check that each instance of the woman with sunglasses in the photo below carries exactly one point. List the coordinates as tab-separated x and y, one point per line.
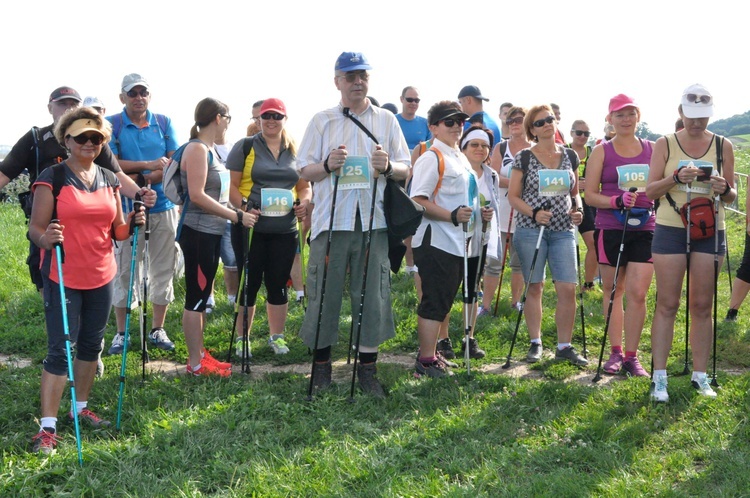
674	174
503	156
442	183
204	222
614	169
84	217
267	177
543	191
580	134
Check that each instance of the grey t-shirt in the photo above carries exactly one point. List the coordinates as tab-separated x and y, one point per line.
217	187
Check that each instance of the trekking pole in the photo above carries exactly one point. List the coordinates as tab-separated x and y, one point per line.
243	276
301	244
526	290
502	265
323	283
598	376
472	305
245	364
467	325
133	260
60	255
363	291
729	269
580	294
144	296
686	370
714	382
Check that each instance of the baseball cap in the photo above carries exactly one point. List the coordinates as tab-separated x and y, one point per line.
64	92
92	102
472	91
621	101
450	112
133	80
697	102
352	61
273	105
82	125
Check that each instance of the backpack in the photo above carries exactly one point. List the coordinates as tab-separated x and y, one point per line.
161	119
174	190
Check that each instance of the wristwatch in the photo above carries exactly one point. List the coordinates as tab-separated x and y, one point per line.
239	216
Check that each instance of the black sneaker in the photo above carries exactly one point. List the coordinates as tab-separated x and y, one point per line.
535	352
474	351
731	315
571	355
434	370
367	380
322	375
445	348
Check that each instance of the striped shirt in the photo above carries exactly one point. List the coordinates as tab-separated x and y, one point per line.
327	130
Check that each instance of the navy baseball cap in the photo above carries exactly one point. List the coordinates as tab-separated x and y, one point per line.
352	61
472	91
62	93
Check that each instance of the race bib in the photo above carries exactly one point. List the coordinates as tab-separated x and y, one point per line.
632	175
554	182
696	187
354	174
224	195
276	202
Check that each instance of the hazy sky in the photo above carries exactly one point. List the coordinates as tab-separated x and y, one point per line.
575	53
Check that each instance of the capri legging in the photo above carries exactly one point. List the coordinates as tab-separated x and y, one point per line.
743	272
201	252
271	257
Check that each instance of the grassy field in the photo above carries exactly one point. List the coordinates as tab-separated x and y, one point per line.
549	432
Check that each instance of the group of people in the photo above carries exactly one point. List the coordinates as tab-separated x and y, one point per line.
490	193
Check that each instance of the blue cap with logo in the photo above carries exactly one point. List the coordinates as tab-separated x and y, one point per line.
352	61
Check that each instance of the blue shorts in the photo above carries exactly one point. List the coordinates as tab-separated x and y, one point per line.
672	240
558	249
227	253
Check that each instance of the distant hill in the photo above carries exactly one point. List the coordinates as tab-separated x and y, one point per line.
739	124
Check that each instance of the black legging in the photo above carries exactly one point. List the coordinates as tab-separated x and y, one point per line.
201	252
743	272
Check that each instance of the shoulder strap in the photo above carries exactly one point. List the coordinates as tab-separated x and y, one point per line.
161	120
422	148
58	181
503	147
525	160
441	170
572	156
35	136
247	146
719	152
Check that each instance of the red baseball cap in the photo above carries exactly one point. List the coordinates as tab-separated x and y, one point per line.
273	105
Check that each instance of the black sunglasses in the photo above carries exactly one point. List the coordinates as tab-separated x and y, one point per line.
703	99
581	132
134	93
517	120
276	116
412	100
94	138
451	122
541	122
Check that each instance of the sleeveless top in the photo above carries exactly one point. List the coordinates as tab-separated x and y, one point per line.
217	187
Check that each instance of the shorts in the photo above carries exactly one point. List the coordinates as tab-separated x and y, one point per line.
558	249
494	266
227	253
672	240
637	247
589	216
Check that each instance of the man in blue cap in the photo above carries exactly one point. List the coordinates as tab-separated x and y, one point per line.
472	103
334	145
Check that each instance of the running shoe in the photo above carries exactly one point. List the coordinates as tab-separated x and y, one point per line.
45	441
570	354
731	315
633	367
614	364
90	418
158	337
702	386
210	359
238	348
277	343
659	389
483	312
118	343
535	352
208	368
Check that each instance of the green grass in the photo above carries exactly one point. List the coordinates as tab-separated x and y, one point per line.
493	435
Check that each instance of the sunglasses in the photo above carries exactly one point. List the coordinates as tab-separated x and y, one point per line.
581	132
451	122
512	121
698	99
352	76
541	122
412	100
229	118
134	93
272	115
94	138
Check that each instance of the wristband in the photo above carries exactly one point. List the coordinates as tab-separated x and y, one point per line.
239	217
533	214
325	165
726	190
454	216
388	171
676	177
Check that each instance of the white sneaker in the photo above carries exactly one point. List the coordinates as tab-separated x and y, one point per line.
659	389
702	386
238	348
278	344
231	298
210	303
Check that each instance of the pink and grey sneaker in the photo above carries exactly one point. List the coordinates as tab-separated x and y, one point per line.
614	364
633	367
